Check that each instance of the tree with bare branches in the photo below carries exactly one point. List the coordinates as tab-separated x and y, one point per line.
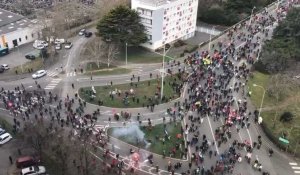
100	52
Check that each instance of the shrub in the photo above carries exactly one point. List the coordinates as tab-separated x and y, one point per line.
286	117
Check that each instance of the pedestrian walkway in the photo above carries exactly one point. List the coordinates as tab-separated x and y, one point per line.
53	84
295	167
52	73
71	74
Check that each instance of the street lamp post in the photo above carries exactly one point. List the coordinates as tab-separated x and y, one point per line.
251	16
262	99
163	72
126	55
213	29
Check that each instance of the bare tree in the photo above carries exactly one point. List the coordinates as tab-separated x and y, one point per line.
99	51
111	54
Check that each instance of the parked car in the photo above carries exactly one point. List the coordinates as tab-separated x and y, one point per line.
27	161
81	32
4	138
33	55
2	131
40	44
5	66
34	170
1	70
68	45
39	74
59	41
88	34
58	46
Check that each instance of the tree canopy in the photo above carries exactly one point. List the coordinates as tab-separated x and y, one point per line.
228	12
122	25
282	51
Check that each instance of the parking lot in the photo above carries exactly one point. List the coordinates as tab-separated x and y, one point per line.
16	57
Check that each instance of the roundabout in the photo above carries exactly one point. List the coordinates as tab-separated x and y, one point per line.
202	124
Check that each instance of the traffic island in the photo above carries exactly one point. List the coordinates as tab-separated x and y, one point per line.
135	94
163	139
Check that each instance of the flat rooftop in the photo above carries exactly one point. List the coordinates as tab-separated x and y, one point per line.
156	3
10	22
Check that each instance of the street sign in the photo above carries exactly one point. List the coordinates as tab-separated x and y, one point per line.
284	140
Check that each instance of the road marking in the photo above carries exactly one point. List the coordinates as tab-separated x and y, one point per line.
53	84
212	132
293	163
297	172
295	167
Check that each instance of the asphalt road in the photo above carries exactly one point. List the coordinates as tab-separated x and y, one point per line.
279	163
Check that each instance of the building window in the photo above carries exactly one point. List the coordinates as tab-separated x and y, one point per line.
26	37
20	40
149	37
145	12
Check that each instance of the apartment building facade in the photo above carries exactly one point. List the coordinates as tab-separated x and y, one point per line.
167	20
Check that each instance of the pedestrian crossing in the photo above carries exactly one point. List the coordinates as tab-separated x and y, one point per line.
71	74
295	167
53	84
52	73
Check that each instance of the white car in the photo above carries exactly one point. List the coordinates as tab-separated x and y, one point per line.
4	138
58	46
68	45
34	170
59	41
5	66
82	32
39	74
40	44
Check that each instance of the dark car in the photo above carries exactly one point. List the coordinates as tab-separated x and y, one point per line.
88	34
1	69
26	161
33	55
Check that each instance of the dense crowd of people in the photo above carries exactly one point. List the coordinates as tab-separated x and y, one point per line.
216	91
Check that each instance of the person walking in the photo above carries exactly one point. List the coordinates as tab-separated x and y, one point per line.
10	160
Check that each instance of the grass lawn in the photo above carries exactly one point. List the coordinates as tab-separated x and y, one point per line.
141	95
272	110
92	68
33	64
155	136
140	55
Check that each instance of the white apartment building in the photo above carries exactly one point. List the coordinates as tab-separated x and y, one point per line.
167	20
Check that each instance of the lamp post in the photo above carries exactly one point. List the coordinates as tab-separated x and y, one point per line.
126	55
163	72
251	16
262	99
213	29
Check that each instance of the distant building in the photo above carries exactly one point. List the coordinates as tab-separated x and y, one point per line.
167	21
16	30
